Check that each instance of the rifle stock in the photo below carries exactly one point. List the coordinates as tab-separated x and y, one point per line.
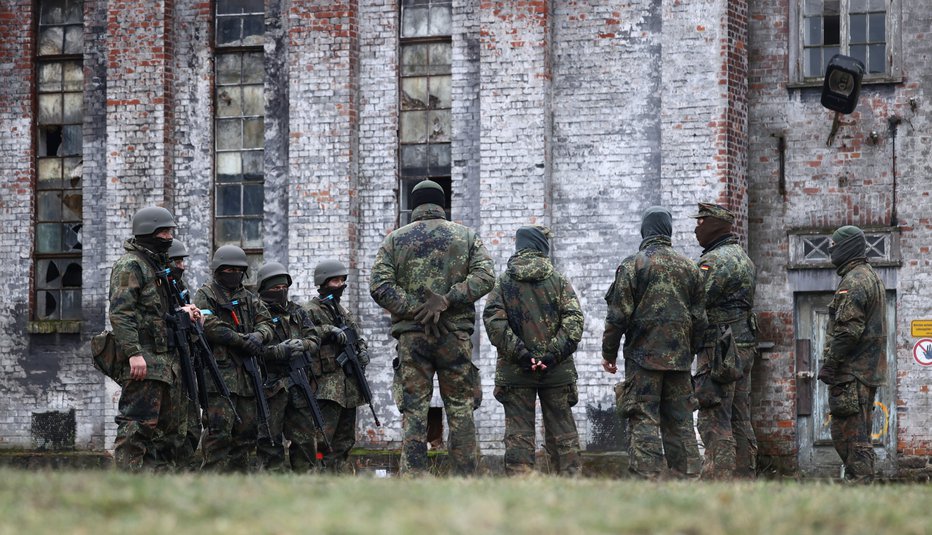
299	378
350	357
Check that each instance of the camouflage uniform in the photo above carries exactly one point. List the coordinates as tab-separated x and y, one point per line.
434	254
724	414
656	302
289	414
228	445
151	411
337	392
533	306
855	349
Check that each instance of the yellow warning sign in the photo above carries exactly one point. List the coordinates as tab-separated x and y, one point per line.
921	328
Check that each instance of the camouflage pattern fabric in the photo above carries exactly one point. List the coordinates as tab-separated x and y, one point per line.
856	342
450	358
337	392
535	307
228	445
561	436
150	427
186	455
150	420
332	383
851	436
448	259
431	253
656	302
289	415
729	280
659	407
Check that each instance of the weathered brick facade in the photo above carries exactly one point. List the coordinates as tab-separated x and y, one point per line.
575	114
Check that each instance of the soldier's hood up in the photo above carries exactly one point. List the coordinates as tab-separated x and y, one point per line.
529	265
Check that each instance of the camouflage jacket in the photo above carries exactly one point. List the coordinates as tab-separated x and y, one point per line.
729	279
535	305
436	254
138	305
224	336
657	303
857	326
332	383
290	322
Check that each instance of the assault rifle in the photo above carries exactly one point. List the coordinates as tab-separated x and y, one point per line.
251	366
193	363
298	376
349	360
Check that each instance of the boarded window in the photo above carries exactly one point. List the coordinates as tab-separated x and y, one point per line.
59	133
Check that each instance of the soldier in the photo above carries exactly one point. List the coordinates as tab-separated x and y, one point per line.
176	255
656	303
337	391
236	329
725	407
429	274
152	404
294	337
534	320
854	358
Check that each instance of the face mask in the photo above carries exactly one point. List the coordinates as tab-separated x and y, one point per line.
156	245
230	280
711	229
275	297
176	273
337	292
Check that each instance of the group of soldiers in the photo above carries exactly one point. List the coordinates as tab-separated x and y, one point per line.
428	275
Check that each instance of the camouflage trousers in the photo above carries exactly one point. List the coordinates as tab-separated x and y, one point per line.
340	429
724	421
851	436
450	357
289	419
659	407
186	457
228	445
560	436
150	426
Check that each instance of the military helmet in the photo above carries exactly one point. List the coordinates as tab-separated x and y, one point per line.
270	271
229	255
427	191
177	250
327	270
149	220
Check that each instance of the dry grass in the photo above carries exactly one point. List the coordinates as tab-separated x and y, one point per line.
111	502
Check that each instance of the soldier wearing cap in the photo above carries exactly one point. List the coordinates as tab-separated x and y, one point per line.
151	419
729	279
429	275
855	353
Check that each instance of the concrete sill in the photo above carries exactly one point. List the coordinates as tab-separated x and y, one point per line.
54	326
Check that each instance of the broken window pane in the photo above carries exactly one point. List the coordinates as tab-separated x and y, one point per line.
49	140
253	100
71	236
227	231
413	127
71	140
48	274
253	165
229	167
72	206
72	276
48	206
228	69
228	200
73	171
48	237
50	109
440	87
229	134
440	126
74	40
46	305
252	199
414	93
229	101
254	133
252	233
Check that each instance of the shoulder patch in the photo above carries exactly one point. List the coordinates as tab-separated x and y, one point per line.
841	292
705	267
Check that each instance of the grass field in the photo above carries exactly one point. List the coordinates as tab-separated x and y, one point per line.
100	502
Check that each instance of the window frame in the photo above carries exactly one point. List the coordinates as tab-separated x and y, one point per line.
893	23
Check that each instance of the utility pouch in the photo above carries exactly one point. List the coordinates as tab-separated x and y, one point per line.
726	363
843	399
105	354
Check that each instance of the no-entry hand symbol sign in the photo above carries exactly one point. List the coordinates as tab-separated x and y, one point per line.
922	351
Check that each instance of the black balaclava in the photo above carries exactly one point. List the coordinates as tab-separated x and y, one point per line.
656	221
711	229
850	244
531	238
230	280
154	244
427	192
274	297
326	291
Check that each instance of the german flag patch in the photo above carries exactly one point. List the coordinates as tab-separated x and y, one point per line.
705	267
842	292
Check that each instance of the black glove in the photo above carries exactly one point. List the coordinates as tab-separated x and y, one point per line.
363	356
548	360
827	373
524	358
337	336
252	343
293	347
